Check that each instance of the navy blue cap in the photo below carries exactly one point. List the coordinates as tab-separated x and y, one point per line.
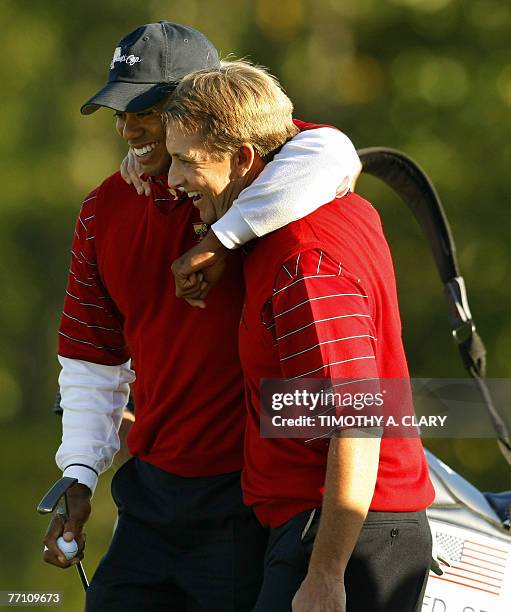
148	63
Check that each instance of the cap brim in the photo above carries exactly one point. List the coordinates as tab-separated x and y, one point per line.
127	97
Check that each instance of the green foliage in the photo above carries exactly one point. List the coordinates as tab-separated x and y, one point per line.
430	77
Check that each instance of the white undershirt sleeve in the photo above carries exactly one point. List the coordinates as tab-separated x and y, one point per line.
93	400
310	170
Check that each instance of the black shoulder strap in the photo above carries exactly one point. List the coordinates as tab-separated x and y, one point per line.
412	184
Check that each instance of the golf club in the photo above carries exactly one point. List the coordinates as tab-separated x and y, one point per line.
50	502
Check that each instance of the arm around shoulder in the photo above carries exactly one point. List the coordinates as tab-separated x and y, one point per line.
310	170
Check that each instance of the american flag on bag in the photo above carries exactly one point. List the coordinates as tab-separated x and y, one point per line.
472	564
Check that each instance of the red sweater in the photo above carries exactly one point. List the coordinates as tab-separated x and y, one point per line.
321	301
121	303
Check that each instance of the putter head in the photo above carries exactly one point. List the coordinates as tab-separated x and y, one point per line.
50	501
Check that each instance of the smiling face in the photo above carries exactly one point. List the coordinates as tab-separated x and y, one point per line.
212	181
223	125
145	134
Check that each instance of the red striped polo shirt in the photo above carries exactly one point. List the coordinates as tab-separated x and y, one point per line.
121	303
321	301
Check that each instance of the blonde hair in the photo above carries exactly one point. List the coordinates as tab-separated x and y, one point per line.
236	104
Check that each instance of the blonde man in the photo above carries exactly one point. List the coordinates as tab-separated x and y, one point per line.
320	302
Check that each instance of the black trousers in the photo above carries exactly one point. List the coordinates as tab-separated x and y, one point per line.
387	571
181	545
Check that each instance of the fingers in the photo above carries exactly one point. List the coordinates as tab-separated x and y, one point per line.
135	172
78	499
193	289
52	553
73	531
137	182
191	283
198	290
199	269
81	541
190	271
199	302
131	173
196	303
204	289
123	169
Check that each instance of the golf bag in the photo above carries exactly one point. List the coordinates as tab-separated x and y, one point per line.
471	568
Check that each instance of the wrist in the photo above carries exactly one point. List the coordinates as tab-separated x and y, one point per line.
212	243
79	490
326	568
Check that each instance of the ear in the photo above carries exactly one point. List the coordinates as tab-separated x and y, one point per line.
244	159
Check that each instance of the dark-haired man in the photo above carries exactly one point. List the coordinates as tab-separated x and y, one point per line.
184	540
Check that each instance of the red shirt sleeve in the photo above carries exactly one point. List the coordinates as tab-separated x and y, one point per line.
323	320
90	327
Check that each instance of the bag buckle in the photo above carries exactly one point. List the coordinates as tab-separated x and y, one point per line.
460	317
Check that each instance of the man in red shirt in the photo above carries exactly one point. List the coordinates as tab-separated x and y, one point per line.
320	302
184	539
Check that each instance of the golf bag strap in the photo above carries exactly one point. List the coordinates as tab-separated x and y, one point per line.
470	345
473	355
411	183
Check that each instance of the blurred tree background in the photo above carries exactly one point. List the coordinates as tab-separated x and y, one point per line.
429	77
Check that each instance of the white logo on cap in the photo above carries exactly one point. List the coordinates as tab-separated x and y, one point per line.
120	57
